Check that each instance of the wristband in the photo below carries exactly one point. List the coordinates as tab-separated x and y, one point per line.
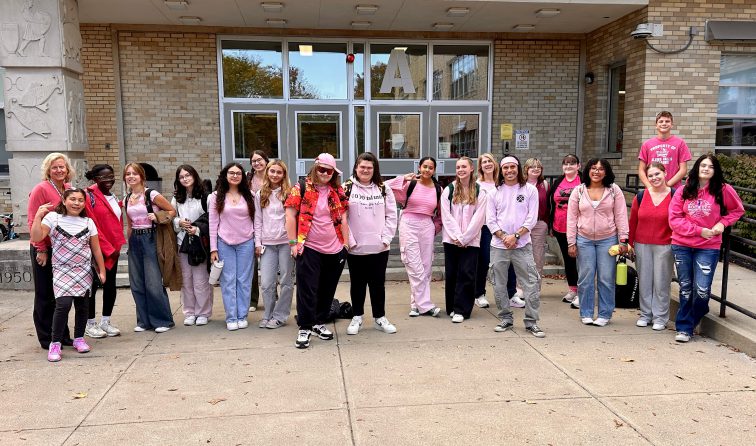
42	252
292	242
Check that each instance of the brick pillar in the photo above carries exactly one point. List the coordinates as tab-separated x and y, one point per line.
40	46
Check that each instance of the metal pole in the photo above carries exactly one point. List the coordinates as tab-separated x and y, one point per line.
725	271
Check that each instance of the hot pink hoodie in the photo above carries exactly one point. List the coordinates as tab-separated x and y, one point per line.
607	219
688	217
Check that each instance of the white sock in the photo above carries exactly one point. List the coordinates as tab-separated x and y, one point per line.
91	321
105	319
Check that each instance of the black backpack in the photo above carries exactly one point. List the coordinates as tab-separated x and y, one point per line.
411	188
626	296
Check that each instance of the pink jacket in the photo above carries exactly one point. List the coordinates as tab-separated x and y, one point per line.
607	219
688	217
463	221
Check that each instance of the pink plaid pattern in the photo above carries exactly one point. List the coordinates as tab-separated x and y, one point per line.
71	263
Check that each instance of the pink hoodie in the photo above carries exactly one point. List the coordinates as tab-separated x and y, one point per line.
607	219
372	219
463	221
688	217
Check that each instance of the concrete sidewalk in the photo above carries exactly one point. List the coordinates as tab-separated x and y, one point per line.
433	382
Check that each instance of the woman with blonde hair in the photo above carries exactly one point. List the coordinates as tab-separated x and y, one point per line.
463	211
272	247
56	175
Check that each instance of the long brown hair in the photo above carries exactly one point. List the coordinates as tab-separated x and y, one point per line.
266	190
61	207
222	188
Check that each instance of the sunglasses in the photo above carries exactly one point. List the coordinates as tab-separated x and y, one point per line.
325	170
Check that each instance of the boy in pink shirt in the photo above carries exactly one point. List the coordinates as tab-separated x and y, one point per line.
667	149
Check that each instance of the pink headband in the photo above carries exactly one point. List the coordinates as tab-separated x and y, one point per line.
508	160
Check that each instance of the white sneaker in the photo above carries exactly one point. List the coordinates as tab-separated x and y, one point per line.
516	301
384	325
457	318
575	303
252	309
242	324
232	326
190	320
162	329
139	329
641	323
414	312
354	325
110	329
600	322
569	297
681	336
93	330
586	321
482	302
201	320
659	327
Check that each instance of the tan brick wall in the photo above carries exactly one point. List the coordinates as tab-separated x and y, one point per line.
170	101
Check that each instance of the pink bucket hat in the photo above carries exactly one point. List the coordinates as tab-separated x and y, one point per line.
326	159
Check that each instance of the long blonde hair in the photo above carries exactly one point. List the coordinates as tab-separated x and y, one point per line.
496	171
265	189
47	165
460	195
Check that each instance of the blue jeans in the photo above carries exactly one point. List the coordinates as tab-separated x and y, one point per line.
595	264
694	265
153	309
236	277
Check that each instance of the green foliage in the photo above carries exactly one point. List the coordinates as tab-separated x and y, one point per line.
740	170
247	77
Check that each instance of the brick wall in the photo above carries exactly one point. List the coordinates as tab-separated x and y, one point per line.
535	87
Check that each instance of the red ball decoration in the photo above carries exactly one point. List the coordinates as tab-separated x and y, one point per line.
350	58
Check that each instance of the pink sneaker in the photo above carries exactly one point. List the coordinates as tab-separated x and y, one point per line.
81	345
53	354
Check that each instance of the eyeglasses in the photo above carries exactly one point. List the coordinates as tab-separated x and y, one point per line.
597	169
185	177
569	163
105	177
233	173
257	161
325	170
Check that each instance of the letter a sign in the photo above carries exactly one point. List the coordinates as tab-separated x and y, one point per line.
397	60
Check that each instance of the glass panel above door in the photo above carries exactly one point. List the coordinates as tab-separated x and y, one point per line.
255	131
458	135
399	135
252	69
398	71
318	133
317	70
460	72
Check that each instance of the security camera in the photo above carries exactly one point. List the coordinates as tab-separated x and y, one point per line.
645	30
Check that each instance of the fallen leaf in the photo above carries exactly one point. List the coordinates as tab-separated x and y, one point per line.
80	395
618	423
172	390
680	377
215	401
627	360
530	402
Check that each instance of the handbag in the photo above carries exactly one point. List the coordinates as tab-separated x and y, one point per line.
192	246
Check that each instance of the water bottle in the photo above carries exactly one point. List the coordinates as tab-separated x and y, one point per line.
621	271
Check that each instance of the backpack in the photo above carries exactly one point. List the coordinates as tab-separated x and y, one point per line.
147	202
626	296
451	191
411	188
348	188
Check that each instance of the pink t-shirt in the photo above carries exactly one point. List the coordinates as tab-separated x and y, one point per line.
561	198
137	212
422	201
669	152
322	236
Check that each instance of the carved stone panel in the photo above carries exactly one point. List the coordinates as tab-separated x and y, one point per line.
44	110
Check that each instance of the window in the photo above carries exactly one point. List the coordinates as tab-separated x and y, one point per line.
458	135
252	69
736	119
616	116
317	70
358	49
318	133
255	131
438	78
381	59
463	72
399	135
3	139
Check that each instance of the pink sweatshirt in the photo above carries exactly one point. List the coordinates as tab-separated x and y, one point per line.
670	152
463	221
422	202
372	219
234	225
270	221
688	217
511	208
42	193
605	220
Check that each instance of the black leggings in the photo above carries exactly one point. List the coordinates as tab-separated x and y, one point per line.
108	293
570	264
44	299
368	271
60	319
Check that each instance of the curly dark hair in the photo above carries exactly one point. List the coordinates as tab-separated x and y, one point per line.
222	187
609	173
716	183
198	190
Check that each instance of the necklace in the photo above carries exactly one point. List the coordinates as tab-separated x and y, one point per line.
135	197
234	198
60	194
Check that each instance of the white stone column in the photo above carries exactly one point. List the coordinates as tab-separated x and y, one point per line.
40	47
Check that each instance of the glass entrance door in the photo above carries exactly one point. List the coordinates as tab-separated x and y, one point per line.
316	129
399	137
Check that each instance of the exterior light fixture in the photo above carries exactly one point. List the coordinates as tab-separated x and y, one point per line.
523	27
644	31
361	24
443	26
589	78
272	7
305	50
366	9
176	5
547	13
457	12
276	22
190	20
400	48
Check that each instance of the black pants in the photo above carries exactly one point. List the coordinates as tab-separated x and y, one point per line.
108	293
254	297
368	271
44	300
570	263
60	320
317	277
460	269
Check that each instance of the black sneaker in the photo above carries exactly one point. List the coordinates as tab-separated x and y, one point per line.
535	331
322	332
433	312
303	339
503	326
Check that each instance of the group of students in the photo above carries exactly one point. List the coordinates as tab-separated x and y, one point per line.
498	219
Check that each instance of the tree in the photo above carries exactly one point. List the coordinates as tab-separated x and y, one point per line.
246	77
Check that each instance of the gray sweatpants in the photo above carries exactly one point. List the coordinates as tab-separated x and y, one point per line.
527	278
654	264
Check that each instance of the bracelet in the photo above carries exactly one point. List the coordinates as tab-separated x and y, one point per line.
42	252
292	242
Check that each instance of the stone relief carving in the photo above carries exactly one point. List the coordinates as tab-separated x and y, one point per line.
31	108
80	167
71	33
77	126
33	27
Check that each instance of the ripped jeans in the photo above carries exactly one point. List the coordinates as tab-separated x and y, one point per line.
695	272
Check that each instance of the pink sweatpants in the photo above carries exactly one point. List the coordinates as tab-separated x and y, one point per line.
416	235
196	291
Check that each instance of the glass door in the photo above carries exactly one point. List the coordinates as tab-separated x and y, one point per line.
459	130
254	127
315	129
399	137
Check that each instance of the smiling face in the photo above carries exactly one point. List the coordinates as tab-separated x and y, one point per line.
275	175
234	176
664	125
534	172
511	173
597	173
487	165
464	169
427	169
105	180
186	179
324	173
74	203
58	170
570	167
132	177
655	176
258	163
705	170
365	172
